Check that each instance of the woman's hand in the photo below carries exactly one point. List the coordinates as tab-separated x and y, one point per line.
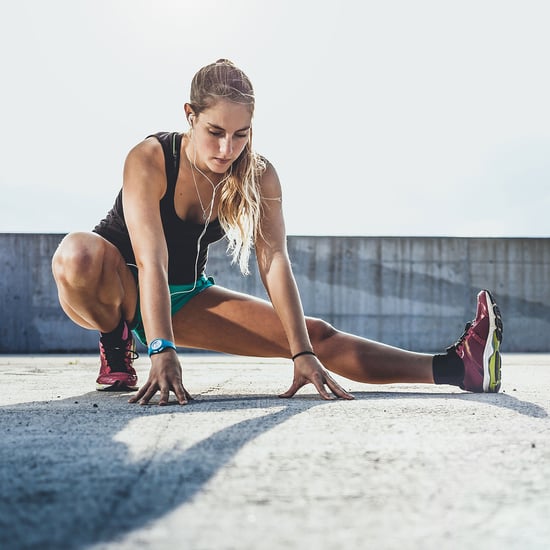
165	375
308	370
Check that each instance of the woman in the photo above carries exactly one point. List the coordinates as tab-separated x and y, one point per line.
143	268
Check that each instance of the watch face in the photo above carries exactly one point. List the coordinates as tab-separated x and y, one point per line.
156	344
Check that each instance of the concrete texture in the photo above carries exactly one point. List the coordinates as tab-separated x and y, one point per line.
388	289
401	467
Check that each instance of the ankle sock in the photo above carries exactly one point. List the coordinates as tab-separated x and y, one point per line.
448	368
114	336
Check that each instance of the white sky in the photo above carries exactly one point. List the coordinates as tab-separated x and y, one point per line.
387	117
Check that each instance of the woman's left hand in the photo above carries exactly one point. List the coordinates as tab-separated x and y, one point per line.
308	370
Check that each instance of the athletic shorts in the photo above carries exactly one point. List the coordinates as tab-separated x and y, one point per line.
179	296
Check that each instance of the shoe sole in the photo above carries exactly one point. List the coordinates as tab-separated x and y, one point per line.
491	354
117	386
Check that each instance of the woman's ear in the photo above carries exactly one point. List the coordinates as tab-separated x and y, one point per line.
189	114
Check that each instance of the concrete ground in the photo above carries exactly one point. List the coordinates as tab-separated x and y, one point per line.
402	466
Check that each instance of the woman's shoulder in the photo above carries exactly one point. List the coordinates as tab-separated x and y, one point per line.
145	166
269	179
264	167
147	153
261	165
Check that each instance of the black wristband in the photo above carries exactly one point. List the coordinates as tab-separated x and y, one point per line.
306	352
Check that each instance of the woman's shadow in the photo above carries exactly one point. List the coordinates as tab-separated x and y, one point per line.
69	480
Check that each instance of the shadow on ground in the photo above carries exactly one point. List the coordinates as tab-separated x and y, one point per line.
67	482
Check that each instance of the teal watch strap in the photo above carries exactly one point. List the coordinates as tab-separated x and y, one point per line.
158	345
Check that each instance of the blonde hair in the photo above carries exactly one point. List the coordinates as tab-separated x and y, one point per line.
240	199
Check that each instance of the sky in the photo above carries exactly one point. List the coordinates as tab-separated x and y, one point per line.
387	117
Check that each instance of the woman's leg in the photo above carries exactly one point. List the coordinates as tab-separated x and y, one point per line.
97	291
96	288
221	320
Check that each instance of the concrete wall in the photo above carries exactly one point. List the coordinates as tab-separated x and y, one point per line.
413	292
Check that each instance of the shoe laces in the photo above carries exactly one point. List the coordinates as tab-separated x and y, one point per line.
119	358
459	342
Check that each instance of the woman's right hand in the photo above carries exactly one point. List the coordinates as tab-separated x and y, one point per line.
165	376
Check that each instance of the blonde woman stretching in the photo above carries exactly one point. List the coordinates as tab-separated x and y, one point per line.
142	269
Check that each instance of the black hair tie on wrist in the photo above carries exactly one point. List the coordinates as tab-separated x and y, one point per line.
306	352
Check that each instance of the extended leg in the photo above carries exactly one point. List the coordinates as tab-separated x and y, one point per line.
230	322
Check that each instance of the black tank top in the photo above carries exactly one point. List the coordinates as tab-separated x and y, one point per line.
181	236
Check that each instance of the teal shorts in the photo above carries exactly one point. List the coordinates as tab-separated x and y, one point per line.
179	296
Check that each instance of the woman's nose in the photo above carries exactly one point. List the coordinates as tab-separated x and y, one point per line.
226	146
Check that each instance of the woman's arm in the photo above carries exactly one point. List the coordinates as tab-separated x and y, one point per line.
144	185
274	265
278	279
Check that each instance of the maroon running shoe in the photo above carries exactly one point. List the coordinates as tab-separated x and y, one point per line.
116	372
478	347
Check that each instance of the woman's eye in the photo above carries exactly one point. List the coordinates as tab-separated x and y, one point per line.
215	133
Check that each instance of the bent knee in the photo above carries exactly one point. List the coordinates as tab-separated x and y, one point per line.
319	329
78	259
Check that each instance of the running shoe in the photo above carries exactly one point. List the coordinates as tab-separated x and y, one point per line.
116	372
478	347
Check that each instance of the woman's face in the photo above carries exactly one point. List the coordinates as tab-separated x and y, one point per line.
220	133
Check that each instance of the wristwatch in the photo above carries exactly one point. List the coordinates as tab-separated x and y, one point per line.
158	345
